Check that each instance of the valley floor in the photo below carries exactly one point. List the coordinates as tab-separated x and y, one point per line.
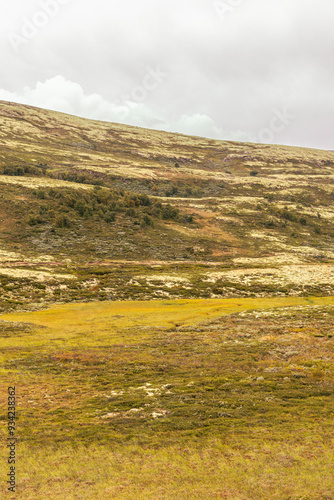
206	398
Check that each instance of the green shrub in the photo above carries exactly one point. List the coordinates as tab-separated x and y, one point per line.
146	221
270	223
62	220
110	217
187	218
32	221
130	212
173	190
289	215
80	207
40	193
169	212
43	210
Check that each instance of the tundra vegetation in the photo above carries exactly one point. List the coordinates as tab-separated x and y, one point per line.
166	312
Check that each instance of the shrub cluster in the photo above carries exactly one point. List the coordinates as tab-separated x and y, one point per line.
184	188
79	177
63	205
41	169
287	215
21	170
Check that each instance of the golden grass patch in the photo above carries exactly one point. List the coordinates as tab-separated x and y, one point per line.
103	319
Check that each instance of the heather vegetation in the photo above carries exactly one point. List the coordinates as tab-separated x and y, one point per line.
232	397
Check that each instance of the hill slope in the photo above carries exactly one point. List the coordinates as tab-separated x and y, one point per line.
94	210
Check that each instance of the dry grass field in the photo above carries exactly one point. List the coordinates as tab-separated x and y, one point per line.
201	398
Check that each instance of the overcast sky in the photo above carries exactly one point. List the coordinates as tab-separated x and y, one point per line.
249	70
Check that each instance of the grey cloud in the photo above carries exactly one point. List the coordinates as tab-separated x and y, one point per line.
225	76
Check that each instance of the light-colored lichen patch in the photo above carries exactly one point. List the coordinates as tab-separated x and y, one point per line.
161	280
38	182
34	275
299	275
6	256
274	260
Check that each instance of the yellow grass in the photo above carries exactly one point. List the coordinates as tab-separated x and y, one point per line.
87	322
215	470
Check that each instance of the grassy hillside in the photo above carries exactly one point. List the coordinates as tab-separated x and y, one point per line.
166	313
97	210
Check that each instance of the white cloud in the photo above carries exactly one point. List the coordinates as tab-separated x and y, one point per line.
65	96
204	126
